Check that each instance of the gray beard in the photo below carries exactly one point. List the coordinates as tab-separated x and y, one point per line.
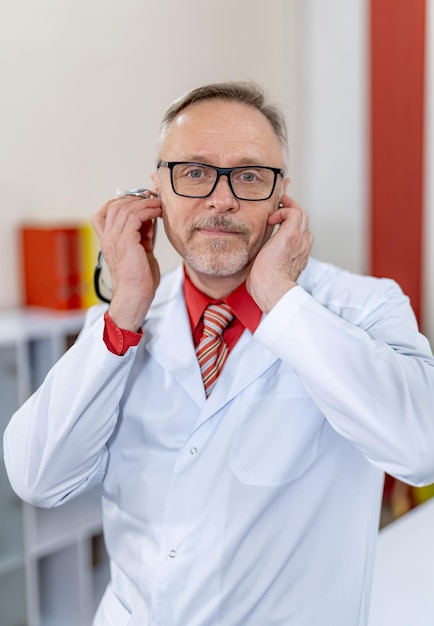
217	260
220	257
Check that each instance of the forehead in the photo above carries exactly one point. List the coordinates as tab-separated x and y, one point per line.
223	133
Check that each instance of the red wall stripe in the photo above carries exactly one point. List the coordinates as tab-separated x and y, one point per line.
397	50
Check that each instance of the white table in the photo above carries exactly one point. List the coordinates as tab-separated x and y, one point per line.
403	589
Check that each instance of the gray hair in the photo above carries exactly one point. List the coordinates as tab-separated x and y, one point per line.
245	92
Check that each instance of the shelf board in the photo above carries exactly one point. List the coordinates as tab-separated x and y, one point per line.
33	323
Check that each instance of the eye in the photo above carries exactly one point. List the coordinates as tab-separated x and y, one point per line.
249	177
196	173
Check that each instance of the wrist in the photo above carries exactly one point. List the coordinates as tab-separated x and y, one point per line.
267	297
128	316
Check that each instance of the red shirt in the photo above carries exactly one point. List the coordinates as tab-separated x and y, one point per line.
246	311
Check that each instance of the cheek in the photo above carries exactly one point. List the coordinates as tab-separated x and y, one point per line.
169	227
263	231
259	236
175	225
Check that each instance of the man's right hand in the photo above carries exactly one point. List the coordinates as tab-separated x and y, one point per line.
125	227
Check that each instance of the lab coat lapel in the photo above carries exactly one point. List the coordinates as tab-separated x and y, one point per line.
247	361
168	338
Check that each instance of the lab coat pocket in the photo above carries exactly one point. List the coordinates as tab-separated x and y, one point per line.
277	436
111	611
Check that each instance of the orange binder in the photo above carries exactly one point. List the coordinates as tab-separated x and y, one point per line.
51	265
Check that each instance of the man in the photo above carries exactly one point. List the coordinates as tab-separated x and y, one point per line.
250	497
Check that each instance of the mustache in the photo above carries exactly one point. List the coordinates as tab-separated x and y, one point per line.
220	222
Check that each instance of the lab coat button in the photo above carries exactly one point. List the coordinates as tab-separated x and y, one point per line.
193	451
172	554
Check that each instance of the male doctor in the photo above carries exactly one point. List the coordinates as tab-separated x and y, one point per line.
248	496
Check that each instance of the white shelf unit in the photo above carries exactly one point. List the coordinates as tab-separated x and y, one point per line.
53	566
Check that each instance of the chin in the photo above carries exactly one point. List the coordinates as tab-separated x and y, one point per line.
214	262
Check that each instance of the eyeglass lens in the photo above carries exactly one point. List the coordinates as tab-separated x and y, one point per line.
248	183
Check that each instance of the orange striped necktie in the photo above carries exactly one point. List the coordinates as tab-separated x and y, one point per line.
212	351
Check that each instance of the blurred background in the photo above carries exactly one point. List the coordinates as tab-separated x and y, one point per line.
84	84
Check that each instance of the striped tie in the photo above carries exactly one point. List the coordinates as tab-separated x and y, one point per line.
212	351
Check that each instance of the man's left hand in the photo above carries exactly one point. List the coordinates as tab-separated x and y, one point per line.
285	255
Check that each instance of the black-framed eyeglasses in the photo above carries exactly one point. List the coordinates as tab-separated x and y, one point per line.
198	180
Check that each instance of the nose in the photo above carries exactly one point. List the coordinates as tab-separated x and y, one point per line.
222	199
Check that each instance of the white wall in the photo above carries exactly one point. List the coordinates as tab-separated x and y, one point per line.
84	84
335	141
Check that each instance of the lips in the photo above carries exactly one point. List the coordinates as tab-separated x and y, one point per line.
218	231
218	226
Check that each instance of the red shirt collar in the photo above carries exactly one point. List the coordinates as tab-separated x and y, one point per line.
240	301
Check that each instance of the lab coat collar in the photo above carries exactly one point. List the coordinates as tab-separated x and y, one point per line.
169	341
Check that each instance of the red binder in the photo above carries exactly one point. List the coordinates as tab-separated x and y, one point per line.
51	266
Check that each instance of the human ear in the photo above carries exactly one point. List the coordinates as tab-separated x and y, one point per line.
283	188
156	180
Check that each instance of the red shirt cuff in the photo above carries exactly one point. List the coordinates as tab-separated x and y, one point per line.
118	340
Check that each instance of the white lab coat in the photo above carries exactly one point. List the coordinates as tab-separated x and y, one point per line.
260	505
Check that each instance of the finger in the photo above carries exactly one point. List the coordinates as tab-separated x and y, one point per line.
148	232
115	204
98	222
294	214
130	211
101	220
131	202
289	202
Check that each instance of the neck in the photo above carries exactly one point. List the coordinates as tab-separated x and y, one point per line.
216	287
